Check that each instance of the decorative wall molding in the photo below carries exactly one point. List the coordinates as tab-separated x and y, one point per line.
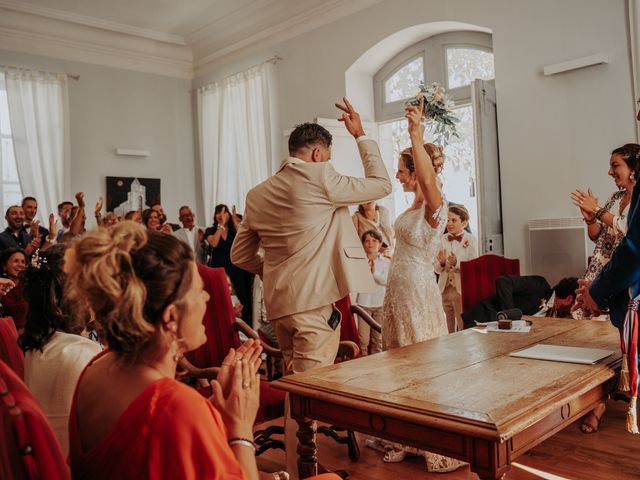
304	22
45	31
25	33
94	22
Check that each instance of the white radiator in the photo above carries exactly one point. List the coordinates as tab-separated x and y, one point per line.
558	248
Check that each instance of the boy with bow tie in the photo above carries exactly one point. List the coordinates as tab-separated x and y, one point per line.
457	246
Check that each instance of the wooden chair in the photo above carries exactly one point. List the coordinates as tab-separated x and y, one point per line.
10	352
28	449
349	337
478	277
222	330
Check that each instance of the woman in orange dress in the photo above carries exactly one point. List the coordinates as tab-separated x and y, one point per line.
130	418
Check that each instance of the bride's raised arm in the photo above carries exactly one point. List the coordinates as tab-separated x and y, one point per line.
425	173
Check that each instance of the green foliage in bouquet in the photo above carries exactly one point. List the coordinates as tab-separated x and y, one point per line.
437	113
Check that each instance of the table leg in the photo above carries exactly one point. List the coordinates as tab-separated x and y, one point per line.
307	450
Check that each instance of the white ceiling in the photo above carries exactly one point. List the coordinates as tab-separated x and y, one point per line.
189	19
178	17
206	30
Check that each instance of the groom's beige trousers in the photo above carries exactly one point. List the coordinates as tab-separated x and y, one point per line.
307	341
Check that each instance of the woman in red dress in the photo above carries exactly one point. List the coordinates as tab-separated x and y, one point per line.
130	418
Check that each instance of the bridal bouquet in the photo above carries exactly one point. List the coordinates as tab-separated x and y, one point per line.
437	111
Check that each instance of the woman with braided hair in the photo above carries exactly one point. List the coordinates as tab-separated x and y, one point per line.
607	226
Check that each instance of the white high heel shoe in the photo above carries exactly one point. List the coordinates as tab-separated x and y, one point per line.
394	456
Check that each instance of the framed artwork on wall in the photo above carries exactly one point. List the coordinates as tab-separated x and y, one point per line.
125	194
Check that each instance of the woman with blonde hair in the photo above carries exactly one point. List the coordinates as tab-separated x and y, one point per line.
412	310
130	418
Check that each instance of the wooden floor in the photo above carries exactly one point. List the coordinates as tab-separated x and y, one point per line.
609	454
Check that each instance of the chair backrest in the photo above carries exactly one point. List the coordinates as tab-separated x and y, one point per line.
10	352
348	328
29	449
478	277
218	320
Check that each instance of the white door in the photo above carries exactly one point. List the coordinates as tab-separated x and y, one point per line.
483	98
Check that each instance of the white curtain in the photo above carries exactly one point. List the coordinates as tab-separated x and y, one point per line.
38	111
236	133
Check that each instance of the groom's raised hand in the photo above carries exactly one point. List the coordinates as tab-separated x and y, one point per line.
351	118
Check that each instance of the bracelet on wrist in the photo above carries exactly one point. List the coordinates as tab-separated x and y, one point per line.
600	213
244	442
590	222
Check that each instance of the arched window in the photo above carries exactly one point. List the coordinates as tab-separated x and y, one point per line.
455	60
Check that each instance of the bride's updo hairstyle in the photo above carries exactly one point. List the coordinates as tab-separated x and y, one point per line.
126	276
436	153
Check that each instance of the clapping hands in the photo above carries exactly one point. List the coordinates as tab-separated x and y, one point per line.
236	392
586	202
584	299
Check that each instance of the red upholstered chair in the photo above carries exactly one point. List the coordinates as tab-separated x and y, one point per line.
10	352
349	325
28	447
478	277
222	330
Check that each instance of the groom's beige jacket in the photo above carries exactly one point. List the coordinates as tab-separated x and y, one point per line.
312	253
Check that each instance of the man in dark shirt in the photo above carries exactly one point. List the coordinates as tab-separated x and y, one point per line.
529	293
15	235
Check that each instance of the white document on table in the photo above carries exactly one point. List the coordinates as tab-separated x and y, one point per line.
561	353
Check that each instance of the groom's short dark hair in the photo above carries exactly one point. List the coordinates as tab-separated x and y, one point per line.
308	134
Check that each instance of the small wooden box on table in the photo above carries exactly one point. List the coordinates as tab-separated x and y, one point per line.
460	395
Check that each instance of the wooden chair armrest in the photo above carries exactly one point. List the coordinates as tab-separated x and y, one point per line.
348	349
362	313
191	370
242	326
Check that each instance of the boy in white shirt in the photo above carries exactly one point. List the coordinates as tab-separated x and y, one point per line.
457	246
372	302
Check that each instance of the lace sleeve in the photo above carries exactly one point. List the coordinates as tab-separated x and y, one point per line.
440	215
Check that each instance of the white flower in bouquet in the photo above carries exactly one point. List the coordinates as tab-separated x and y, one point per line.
437	110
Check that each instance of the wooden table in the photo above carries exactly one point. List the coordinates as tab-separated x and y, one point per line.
459	395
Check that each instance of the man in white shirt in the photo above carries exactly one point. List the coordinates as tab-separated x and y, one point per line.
190	233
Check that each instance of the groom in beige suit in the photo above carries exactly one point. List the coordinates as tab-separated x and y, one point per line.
312	254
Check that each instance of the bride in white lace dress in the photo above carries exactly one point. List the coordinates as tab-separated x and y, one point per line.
413	305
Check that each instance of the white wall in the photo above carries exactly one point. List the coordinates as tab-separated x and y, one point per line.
555	132
112	108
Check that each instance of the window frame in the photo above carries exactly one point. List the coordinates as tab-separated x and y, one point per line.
435	69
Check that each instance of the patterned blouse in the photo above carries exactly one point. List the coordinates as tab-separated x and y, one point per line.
606	241
609	237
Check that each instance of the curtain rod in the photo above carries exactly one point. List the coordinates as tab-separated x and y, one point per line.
275	59
72	77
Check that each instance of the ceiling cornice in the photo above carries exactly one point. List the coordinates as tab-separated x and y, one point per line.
22	32
87	21
290	28
38	30
223	23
